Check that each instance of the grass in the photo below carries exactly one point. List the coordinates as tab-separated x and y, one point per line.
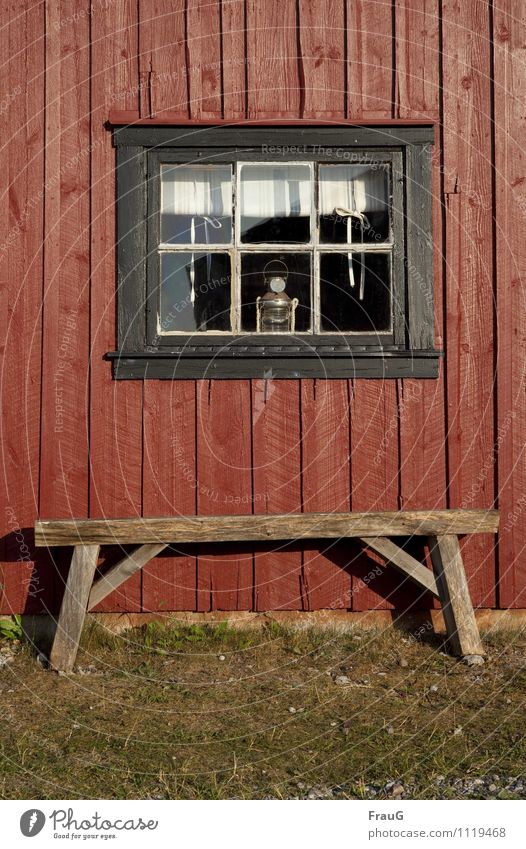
212	712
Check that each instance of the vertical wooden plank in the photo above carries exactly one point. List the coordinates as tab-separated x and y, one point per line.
275	80
170	488
116	406
234	60
321	39
324	403
509	33
375	466
417	59
374	404
277	489
276	85
64	475
326	488
163	61
470	317
203	52
22	588
224	486
422	410
370	59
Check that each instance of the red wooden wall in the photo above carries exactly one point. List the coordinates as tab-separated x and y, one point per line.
75	443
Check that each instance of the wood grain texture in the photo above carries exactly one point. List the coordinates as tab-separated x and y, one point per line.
203	58
321	59
115	410
370	59
233	56
470	295
276	457
224	485
73	609
164	83
21	236
509	38
222	528
170	486
326	487
65	352
417	48
275	80
462	629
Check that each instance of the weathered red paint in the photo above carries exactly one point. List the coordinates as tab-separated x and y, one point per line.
76	443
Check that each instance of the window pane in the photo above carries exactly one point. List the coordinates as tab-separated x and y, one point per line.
255	284
359	189
275	203
196	204
341	307
195	292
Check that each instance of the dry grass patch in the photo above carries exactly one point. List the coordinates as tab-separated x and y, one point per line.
211	712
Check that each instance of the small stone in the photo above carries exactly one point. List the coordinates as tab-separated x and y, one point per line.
473	660
222	657
41	659
398	790
61	673
433	688
76	725
342	680
508	701
292	710
333	724
492	788
403	663
458	731
390	730
478	781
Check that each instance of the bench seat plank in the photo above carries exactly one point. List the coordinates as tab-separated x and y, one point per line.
193	529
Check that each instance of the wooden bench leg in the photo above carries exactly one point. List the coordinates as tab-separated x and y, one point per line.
462	629
74	606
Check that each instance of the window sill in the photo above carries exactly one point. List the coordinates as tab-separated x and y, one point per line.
378	364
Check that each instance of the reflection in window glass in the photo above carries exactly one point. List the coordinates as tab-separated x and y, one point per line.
195	292
340	304
354	203
196	204
275	203
254	284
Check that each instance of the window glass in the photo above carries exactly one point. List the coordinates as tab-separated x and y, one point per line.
355	292
196	204
275	203
354	203
194	292
256	278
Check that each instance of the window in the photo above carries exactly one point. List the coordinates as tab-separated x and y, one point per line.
251	251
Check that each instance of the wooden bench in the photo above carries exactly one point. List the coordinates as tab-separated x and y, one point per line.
446	582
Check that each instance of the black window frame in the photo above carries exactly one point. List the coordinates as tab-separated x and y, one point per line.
407	352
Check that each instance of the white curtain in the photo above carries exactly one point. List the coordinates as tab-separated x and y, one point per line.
357	187
196	191
275	191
